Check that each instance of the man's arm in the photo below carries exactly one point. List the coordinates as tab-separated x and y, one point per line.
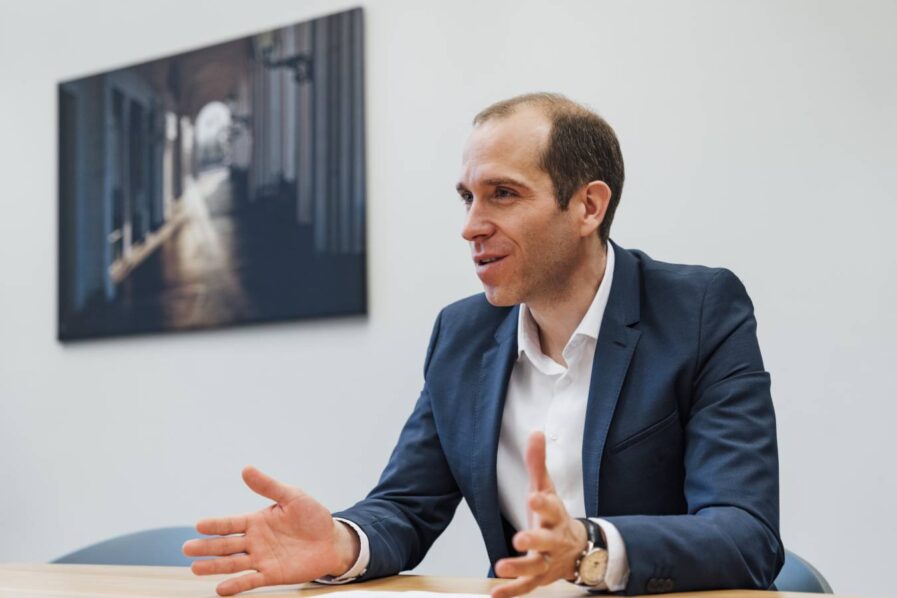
296	539
416	496
730	536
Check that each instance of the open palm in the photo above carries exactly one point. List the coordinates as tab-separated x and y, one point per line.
292	541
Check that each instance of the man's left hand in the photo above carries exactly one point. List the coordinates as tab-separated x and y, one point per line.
554	541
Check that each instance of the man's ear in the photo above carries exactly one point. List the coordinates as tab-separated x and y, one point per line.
595	198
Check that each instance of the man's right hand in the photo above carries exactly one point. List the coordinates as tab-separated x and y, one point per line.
293	541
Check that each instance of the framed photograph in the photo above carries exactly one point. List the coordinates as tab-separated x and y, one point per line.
220	186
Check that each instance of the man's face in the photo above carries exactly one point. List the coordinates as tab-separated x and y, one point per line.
524	247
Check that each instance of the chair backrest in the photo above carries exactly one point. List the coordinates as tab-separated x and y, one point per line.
160	547
797	575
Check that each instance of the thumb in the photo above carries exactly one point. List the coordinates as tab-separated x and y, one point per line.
535	464
267	486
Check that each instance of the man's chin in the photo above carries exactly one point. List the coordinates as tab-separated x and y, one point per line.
500	298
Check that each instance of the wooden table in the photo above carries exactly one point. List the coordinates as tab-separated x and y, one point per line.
106	581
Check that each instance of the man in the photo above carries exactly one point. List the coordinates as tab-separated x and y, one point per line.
588	381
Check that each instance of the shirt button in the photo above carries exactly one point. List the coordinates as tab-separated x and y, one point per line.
553	436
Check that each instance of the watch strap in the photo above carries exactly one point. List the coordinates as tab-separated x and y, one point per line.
593	530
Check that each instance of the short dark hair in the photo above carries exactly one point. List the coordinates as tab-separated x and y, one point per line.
581	148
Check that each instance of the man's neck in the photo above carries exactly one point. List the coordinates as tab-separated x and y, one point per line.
558	315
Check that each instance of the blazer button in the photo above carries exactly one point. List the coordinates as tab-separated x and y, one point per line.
652	586
668	585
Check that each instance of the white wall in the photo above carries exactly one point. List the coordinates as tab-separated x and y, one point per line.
757	135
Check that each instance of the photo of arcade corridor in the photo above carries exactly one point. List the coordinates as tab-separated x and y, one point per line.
221	186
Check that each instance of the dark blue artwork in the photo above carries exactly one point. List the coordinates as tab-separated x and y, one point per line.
221	186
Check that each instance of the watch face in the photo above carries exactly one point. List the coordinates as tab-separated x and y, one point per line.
593	566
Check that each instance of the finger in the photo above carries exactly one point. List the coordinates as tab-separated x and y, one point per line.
267	486
228	564
530	565
242	583
519	586
215	546
222	526
549	507
541	540
535	463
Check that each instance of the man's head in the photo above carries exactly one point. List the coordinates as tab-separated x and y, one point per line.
581	147
541	178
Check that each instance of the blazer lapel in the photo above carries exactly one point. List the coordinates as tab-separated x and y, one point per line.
616	344
495	370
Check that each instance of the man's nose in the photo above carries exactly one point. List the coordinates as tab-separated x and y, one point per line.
476	225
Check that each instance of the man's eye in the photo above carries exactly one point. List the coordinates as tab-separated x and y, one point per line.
504	193
467	198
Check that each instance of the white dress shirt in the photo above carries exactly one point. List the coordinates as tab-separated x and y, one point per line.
544	395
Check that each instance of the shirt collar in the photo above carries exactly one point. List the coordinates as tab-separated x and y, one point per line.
528	333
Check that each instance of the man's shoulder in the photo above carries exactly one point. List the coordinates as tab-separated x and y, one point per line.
682	289
464	330
657	274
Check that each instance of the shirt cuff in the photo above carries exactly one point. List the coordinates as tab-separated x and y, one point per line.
617	575
361	563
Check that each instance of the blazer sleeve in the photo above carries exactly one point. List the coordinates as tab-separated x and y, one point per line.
416	496
729	537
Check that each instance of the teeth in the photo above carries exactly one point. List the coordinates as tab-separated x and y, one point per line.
488	261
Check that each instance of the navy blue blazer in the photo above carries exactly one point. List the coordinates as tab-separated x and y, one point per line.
679	451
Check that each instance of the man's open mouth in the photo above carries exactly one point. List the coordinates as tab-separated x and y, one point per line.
489	260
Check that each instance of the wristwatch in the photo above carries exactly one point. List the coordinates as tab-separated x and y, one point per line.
591	565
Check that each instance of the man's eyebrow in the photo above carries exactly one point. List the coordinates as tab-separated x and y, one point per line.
495	182
506	181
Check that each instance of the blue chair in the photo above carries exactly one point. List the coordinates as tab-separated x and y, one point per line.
797	575
161	547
